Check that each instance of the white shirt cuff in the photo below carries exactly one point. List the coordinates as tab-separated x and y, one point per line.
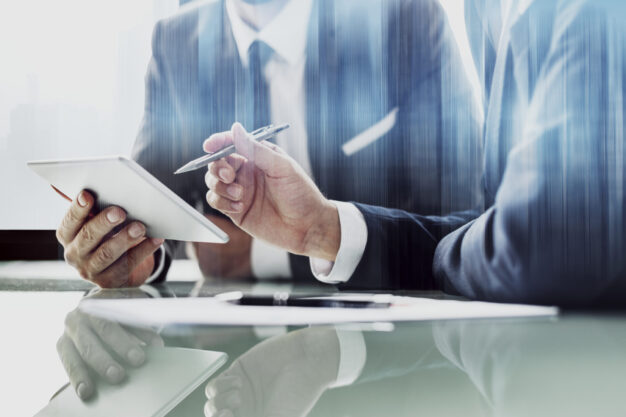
269	261
352	356
351	247
159	267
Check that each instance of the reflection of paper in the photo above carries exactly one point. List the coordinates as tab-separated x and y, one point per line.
166	311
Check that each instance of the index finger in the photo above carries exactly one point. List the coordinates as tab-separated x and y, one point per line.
75	217
75	368
217	141
126	345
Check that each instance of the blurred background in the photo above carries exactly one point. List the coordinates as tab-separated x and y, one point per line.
72	85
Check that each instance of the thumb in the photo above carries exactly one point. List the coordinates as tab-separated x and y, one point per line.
264	158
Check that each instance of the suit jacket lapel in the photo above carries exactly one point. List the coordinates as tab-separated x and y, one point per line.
514	79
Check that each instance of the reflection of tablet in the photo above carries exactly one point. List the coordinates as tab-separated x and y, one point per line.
154	389
120	181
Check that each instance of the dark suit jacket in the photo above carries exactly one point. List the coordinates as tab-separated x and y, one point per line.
365	58
554	164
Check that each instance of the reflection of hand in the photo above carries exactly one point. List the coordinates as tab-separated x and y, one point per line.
109	259
103	346
230	260
282	376
267	194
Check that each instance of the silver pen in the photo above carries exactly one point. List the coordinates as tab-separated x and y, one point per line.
261	134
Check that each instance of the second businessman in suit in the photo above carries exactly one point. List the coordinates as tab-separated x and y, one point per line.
553	77
379	106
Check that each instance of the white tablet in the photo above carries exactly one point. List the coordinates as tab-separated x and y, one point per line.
117	180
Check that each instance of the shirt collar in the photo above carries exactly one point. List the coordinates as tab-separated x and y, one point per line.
286	34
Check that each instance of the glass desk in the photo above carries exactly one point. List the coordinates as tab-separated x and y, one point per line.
571	365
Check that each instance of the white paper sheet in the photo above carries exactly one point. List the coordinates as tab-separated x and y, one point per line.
208	311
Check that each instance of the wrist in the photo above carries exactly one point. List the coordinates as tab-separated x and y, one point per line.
324	236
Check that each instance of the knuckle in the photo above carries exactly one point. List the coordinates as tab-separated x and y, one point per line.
129	263
69	320
215	184
70	255
87	234
73	369
221	164
79	335
210	180
217	202
105	329
59	236
67	221
86	350
133	259
84	270
60	345
105	254
73	216
210	198
84	273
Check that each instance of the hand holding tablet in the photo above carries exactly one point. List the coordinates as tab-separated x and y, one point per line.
114	247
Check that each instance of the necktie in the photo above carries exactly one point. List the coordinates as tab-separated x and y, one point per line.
259	54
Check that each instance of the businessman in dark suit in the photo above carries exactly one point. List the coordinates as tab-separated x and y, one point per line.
553	77
376	95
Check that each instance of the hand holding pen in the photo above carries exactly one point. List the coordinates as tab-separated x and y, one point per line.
259	135
267	194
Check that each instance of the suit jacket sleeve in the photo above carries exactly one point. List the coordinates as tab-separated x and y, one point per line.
400	248
555	233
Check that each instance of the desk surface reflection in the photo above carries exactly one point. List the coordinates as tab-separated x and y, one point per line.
571	365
